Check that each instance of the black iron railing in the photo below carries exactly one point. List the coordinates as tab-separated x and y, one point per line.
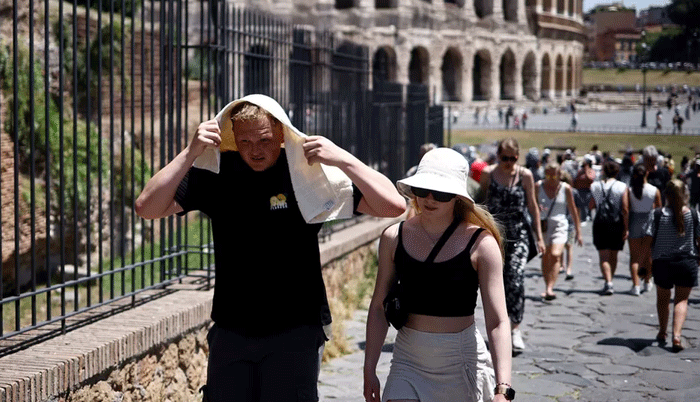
86	125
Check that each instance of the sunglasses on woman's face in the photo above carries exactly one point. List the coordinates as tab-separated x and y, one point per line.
509	158
438	196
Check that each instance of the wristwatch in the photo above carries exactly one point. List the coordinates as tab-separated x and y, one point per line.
506	390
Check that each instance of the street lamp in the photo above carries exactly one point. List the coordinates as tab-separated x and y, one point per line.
644	77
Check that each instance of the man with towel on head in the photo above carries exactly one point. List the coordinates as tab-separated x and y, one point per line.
267	203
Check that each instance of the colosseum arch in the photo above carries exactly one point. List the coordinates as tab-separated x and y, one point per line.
510	10
452	75
257	70
481	76
483	8
570	73
547	5
561	5
546	78
378	4
507	74
572	4
529	75
559	76
418	67
345	4
384	65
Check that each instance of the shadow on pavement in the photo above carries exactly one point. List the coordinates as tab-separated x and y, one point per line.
636	344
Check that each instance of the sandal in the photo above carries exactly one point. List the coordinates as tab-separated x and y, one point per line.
547	296
677	345
661	339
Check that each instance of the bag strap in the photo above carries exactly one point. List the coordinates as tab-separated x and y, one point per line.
551	204
443	239
657	220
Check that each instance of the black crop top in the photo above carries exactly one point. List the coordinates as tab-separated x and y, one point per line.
441	289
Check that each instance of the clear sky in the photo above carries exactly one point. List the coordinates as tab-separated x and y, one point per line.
638	4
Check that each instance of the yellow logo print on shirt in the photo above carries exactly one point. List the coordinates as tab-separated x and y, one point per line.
278	202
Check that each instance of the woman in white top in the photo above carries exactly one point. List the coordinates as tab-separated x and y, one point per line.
554	197
609	238
643	198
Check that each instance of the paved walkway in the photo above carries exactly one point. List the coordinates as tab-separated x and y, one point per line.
580	347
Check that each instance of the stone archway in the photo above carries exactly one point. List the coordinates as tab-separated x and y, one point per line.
384	65
418	67
559	76
529	76
481	76
507	75
510	10
570	74
547	5
452	75
483	8
561	6
546	77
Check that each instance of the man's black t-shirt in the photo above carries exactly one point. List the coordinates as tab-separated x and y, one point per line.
268	269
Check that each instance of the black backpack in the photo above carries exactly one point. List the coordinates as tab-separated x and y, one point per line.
607	212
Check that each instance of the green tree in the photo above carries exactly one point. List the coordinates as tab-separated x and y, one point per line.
685	13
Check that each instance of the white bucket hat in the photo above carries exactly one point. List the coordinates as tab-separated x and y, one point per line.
442	169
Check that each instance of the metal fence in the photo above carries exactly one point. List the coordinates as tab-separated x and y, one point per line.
86	125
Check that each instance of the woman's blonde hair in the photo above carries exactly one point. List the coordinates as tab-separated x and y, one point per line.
476	215
676	199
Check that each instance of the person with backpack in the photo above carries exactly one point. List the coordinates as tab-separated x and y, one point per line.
610	224
675	233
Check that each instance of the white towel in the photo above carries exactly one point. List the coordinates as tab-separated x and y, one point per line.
323	192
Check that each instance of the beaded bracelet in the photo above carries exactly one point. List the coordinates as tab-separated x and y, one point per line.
504	383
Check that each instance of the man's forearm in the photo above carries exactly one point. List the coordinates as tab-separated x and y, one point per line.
156	199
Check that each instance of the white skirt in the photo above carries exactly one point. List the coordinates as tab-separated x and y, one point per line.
439	367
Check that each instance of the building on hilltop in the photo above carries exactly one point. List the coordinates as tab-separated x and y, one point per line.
613	34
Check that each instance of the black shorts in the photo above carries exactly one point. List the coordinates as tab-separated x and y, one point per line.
678	272
276	368
608	237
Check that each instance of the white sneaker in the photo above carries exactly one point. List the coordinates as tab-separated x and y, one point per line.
608	289
635	291
648	286
517	337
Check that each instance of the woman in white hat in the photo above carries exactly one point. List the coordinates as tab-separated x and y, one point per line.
440	258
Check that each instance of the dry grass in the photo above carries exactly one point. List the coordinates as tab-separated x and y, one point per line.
614	76
616	144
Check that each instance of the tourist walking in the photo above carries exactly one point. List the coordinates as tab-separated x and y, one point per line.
510	194
582	182
440	259
555	198
610	225
675	233
643	197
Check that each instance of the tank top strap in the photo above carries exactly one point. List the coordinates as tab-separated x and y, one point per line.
475	236
399	245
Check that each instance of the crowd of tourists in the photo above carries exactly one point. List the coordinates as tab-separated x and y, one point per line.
643	199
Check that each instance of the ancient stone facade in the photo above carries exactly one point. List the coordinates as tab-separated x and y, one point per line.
467	52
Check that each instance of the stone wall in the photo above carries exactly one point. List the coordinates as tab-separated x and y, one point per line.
158	351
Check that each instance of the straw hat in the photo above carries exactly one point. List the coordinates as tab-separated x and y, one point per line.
442	169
